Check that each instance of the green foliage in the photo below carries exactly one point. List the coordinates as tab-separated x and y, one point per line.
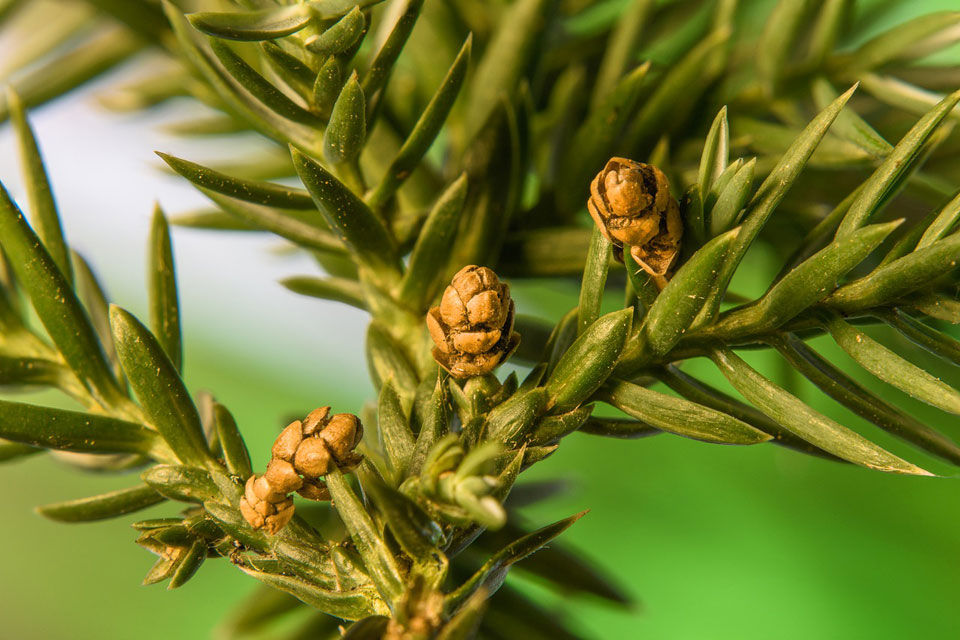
420	154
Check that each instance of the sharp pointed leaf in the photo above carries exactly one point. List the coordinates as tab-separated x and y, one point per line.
159	388
267	24
107	505
806	423
679	416
56	304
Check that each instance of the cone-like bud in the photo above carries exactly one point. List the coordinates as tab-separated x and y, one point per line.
263	507
304	448
473	326
631	204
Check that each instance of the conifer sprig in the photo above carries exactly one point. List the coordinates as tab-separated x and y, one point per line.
420	156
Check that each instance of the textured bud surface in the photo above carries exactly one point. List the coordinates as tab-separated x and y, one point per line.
473	326
631	204
304	448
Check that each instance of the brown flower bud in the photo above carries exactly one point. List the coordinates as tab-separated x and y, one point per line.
314	490
315	420
473	326
631	205
342	433
265	509
282	477
312	458
287	442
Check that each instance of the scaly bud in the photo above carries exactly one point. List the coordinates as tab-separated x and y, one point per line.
632	206
473	326
304	448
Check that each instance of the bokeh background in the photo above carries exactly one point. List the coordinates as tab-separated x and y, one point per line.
714	542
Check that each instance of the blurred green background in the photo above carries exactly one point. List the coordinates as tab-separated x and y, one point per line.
714	542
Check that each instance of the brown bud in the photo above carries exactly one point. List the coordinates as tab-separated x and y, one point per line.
315	420
261	507
279	520
312	458
342	433
287	442
250	515
472	327
314	491
632	206
281	476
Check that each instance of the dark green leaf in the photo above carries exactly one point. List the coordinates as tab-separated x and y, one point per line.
678	304
164	307
379	560
56	304
260	87
95	301
698	391
347	130
798	417
376	78
187	565
182	483
413	529
307	231
618	428
769	195
425	272
255	191
552	428
494	571
74	431
235	453
370	628
463	625
339	289
726	209
107	505
253	25
594	280
900	277
679	416
385	358
878	186
716	152
813	279
434	427
848	392
326	87
509	421
892	369
357	226
296	73
16	371
157	384
339	36
425	131
563	567
942	224
395	429
588	362
43	209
